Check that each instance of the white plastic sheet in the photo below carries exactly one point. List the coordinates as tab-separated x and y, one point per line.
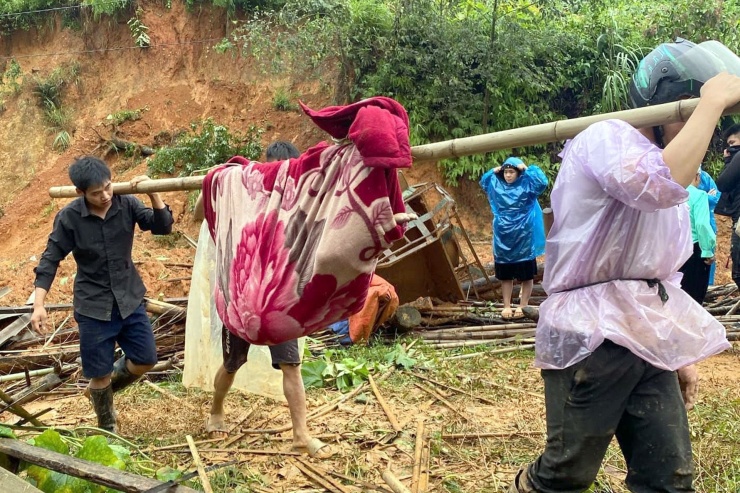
203	354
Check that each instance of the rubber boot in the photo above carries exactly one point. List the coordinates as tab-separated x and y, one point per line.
121	376
102	401
521	483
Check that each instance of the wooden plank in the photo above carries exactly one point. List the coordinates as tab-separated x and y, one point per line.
96	473
11	482
14	328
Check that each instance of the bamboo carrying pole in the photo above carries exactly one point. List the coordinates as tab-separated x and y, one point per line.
649	116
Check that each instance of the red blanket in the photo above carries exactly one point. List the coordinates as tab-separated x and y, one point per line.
297	241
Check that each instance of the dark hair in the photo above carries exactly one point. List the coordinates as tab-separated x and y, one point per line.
281	150
88	171
732	130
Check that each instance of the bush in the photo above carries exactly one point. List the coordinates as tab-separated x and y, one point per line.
206	145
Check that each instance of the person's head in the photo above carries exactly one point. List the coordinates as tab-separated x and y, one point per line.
280	151
731	137
91	178
697	178
510	169
675	71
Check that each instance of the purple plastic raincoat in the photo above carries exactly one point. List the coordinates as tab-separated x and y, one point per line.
619	218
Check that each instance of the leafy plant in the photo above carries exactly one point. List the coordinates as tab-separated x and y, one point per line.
206	145
62	141
139	31
283	100
337	368
119	117
10	76
95	449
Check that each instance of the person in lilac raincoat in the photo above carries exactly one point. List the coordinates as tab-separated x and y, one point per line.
617	338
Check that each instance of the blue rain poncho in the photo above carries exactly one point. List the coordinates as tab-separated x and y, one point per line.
518	230
707	184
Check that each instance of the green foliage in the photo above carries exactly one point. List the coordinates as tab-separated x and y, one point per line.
346	369
283	100
10	77
206	145
62	141
95	449
6	432
49	90
122	116
139	31
106	7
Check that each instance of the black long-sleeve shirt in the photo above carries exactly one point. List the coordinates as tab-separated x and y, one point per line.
728	182
102	250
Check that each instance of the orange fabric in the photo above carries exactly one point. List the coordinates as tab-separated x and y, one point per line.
380	305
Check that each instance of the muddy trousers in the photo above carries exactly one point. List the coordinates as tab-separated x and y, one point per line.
614	393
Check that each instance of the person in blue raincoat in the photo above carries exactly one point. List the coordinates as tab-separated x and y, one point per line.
518	229
707	184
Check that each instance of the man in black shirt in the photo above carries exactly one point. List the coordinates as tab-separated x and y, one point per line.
98	229
728	182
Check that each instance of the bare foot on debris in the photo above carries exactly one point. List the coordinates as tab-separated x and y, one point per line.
216	426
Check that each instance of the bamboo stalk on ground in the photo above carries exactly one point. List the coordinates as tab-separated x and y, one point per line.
199	465
383	404
393	482
418	446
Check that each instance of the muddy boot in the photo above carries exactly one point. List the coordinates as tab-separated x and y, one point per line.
121	376
521	483
102	401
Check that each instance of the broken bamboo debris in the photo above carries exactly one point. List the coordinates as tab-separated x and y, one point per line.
481	342
434	393
393	482
319	475
464	335
364	484
384	405
204	481
418	446
488	353
474	435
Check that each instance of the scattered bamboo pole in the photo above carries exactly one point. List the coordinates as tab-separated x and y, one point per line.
319	476
148	186
486	353
383	404
393	482
475	435
365	485
18	410
456	389
418	446
199	465
442	399
477	342
252	451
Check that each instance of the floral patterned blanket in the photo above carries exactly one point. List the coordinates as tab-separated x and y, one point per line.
297	241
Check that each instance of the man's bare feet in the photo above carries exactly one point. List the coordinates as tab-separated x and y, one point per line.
216	426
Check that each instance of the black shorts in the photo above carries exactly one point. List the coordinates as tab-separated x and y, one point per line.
235	351
521	271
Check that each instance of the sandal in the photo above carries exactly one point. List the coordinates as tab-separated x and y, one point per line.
216	428
518	314
315	449
506	314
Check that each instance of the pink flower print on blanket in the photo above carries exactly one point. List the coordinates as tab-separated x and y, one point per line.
322	303
261	283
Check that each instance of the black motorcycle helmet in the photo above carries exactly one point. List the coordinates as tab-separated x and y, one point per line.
678	70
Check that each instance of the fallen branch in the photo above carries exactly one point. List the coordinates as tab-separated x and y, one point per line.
319	476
